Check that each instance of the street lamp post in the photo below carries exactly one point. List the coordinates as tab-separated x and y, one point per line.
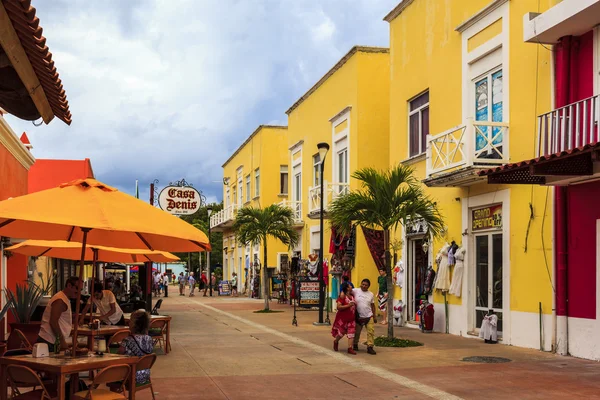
323	149
209	211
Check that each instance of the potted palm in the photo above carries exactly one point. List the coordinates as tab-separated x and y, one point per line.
22	303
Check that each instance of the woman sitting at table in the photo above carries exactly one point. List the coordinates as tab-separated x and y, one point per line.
106	306
138	344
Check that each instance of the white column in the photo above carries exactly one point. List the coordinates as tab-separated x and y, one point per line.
128	277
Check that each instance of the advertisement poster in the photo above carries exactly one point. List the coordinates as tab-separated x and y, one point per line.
487	218
309	293
224	288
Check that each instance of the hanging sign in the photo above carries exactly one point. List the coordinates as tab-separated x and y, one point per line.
179	200
309	293
487	218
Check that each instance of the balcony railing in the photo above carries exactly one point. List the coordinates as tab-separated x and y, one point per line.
224	216
332	192
473	144
296	207
568	127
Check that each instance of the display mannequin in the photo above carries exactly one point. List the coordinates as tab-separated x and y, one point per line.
489	327
457	277
443	273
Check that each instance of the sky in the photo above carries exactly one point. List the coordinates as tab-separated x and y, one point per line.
168	89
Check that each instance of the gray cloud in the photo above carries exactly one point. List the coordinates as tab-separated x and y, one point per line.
168	89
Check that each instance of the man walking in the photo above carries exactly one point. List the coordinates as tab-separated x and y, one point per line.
365	307
181	281
192	283
213	282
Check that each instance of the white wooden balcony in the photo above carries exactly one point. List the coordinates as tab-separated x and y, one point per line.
331	192
224	218
455	156
568	127
296	206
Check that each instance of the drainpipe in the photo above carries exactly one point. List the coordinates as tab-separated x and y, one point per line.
561	262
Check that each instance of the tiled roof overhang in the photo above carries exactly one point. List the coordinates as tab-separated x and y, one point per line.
29	33
576	162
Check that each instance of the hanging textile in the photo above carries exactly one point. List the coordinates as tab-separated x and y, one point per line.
351	242
374	240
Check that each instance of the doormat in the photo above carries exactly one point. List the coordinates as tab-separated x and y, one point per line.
486	360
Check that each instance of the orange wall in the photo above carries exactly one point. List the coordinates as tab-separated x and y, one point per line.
12	175
47	174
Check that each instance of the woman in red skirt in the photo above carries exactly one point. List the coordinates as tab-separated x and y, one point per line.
345	320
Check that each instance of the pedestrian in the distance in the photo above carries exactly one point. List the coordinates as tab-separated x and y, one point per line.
234	283
365	307
192	283
346	279
382	295
181	281
213	282
345	319
204	282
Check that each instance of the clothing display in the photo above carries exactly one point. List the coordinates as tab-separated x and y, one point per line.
335	287
443	273
489	328
399	274
429	280
382	301
374	239
457	277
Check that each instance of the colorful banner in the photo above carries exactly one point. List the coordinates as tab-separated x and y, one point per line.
487	218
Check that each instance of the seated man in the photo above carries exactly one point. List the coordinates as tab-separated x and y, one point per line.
106	306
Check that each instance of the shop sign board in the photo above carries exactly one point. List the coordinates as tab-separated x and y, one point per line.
487	218
309	293
224	288
179	200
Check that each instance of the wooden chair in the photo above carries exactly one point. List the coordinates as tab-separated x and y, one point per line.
145	362
22	377
24	341
116	339
157	331
115	373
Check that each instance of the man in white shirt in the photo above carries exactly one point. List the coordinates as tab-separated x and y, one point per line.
106	306
365	307
57	321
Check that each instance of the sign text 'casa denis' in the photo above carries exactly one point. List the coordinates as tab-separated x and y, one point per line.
179	200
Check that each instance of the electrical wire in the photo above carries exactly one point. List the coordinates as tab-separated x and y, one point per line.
544	243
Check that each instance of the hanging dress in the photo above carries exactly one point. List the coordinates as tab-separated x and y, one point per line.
456	286
443	273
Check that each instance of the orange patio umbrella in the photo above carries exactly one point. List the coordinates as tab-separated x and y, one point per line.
93	213
72	251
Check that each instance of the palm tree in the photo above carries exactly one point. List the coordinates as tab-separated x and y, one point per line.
256	225
385	200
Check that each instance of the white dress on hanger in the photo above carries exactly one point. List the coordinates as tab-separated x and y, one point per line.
456	286
443	273
489	328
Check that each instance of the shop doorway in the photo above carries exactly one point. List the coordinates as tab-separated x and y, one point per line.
488	277
416	271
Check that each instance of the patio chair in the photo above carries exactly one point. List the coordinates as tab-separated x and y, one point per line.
156	307
115	373
145	362
24	341
115	340
157	331
22	377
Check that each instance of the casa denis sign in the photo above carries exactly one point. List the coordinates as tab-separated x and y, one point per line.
179	200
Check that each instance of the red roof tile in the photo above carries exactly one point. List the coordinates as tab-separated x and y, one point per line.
533	161
29	31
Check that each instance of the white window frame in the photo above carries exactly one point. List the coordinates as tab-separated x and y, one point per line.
284	170
240	184
257	182
418	110
316	170
296	163
248	191
340	176
234	194
341	143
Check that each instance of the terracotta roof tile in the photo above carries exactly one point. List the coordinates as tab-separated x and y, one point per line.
29	31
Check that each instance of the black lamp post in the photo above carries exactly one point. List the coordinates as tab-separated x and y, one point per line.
323	149
208	276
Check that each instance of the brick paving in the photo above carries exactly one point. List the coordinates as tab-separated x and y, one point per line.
223	350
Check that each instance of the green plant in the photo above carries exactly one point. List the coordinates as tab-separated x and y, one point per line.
45	286
23	302
384	341
255	225
385	200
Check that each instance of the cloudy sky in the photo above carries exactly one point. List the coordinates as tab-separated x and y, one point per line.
167	89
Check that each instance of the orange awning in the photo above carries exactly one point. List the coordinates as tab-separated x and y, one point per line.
72	251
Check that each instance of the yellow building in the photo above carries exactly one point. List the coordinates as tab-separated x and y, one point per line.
255	175
347	109
465	91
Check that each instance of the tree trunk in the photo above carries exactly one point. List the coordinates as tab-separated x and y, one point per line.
265	282
390	283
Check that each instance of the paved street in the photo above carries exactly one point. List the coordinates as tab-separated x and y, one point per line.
222	350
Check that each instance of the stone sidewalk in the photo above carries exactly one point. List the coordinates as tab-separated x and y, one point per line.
223	350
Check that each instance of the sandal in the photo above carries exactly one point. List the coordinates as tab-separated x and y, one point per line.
335	345
351	351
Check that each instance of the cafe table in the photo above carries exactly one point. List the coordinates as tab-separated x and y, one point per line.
105	330
127	317
61	365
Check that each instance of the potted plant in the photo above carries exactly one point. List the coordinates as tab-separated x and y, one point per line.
22	303
46	287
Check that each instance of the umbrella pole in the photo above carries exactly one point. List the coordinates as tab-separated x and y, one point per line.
94	266
77	304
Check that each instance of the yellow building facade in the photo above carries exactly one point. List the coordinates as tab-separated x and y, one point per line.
254	175
465	91
347	109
